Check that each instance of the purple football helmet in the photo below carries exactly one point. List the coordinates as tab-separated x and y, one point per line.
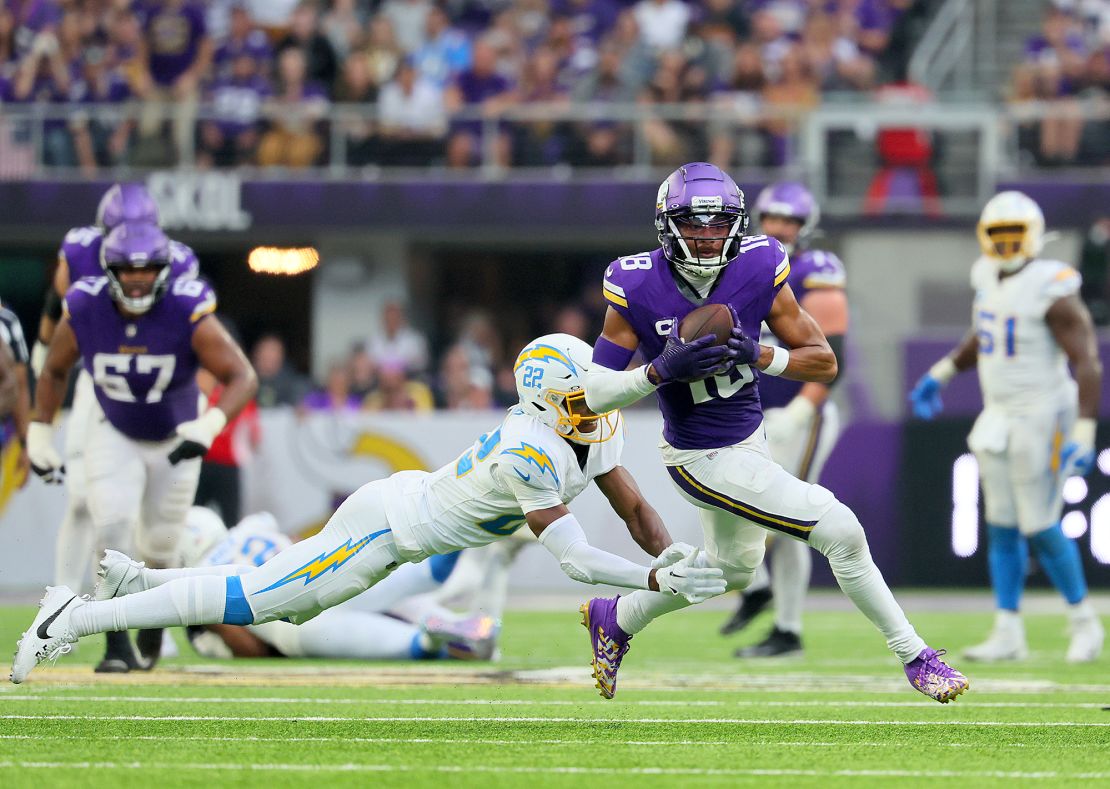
136	246
694	197
790	199
126	203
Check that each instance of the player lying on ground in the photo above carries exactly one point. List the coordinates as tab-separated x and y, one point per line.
714	445
1029	324
542	455
357	629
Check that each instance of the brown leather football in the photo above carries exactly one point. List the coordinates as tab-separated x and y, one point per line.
712	319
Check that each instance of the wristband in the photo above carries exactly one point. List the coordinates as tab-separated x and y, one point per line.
1083	432
779	360
944	370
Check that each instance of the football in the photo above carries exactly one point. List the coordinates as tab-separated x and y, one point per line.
712	319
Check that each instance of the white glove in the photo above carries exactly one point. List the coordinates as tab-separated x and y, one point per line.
38	357
675	552
197	435
696	584
45	460
783	425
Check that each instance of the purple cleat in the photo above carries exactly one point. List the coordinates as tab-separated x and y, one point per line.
933	677
609	642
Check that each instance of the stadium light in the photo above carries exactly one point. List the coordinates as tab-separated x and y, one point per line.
287	261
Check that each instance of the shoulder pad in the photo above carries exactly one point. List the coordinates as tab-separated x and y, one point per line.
194	297
625	274
532	462
820	270
183	261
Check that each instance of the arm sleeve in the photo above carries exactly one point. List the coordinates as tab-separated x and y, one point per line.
608	389
583	562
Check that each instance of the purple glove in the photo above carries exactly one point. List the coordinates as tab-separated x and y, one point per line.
744	349
690	361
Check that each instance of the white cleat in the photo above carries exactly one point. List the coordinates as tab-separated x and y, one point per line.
50	635
119	575
1087	636
1006	641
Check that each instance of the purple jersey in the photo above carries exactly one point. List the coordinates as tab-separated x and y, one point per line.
143	368
255	45
173	35
81	252
644	289
809	270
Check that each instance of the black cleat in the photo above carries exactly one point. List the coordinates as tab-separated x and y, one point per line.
120	657
149	643
779	643
751	605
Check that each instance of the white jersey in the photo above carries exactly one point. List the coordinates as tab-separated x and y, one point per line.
251	542
1022	369
521	466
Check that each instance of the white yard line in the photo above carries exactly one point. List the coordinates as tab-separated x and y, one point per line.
537	719
279	739
536	702
389	768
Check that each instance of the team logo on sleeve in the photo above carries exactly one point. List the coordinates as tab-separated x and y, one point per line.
326	562
536	457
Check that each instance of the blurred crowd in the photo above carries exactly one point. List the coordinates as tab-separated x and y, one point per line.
1066	64
266	71
395	369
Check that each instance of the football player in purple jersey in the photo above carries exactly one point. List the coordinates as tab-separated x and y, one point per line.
79	256
714	446
801	423
141	336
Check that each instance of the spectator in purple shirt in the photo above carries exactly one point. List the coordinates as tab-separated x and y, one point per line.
178	56
102	140
1051	74
29	18
336	395
297	107
44	77
230	139
479	88
244	38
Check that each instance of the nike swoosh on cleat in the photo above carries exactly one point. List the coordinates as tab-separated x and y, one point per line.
44	628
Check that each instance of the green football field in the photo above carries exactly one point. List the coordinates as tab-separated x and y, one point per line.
686	714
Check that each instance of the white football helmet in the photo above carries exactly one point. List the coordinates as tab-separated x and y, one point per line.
1011	230
204	530
551	383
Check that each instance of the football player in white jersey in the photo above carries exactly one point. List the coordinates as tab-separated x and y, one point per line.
544	453
357	629
1038	423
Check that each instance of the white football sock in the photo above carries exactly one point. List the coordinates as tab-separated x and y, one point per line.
636	611
839	536
153	578
186	601
791	564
